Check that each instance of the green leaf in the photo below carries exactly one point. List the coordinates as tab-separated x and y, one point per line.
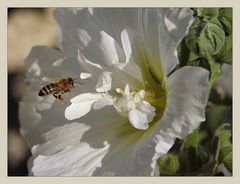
215	69
225	54
224	134
225	17
206	36
224	151
209	64
193	57
192	139
208	12
168	164
200	61
225	157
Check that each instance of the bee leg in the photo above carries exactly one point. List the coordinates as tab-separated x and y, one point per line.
59	97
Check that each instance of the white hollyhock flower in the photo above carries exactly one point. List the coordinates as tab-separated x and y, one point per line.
131	108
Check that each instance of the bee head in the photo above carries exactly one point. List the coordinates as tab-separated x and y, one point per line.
70	81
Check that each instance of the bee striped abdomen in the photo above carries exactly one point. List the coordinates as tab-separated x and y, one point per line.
48	89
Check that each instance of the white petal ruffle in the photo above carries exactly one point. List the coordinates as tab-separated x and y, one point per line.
158	32
167	26
104	83
186	103
100	148
140	116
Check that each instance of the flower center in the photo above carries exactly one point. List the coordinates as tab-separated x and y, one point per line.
128	99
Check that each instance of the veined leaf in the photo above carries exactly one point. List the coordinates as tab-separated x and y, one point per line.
206	36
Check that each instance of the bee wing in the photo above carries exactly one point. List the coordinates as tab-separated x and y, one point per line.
46	81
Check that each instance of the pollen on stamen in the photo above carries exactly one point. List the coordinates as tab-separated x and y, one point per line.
119	91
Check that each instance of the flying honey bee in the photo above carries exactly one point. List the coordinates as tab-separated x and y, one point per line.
58	88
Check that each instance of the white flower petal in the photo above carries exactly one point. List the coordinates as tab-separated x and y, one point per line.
113	53
188	95
107	100
93	22
81	105
179	21
84	75
171	25
130	67
168	27
40	60
84	37
127	90
104	83
133	70
75	111
63	154
60	138
35	68
28	120
59	62
45	104
97	151
187	100
121	78
127	39
140	116
80	160
90	67
85	97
